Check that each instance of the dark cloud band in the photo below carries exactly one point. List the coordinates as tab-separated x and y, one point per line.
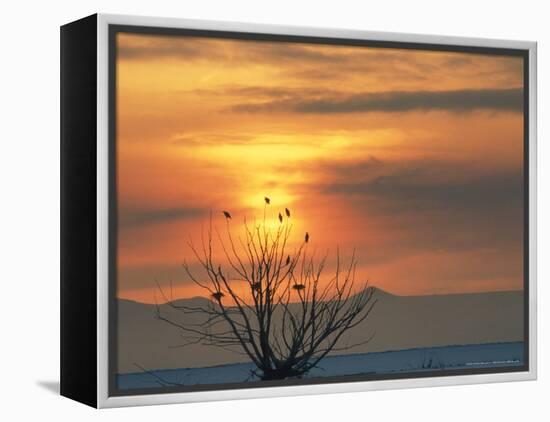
510	100
130	218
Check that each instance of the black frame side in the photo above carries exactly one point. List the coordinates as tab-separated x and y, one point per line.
78	211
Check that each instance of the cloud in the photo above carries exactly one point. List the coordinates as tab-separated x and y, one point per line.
139	47
267	93
147	276
134	52
211	139
131	218
133	47
395	101
428	205
435	186
188	48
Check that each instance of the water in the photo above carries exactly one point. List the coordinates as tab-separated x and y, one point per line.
412	360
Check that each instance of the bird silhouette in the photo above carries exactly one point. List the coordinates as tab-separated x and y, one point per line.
227	215
298	286
307	237
267	200
287	260
280	218
217	295
287	211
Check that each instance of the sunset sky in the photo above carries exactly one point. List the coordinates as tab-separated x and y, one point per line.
414	158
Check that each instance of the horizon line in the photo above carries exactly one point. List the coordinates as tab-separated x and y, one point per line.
375	288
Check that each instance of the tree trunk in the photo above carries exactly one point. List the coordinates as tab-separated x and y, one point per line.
280	374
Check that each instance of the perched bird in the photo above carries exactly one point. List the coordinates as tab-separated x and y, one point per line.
256	286
287	260
287	211
267	200
227	215
217	295
298	286
307	237
280	218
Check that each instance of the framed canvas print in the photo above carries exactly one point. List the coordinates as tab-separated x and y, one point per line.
253	211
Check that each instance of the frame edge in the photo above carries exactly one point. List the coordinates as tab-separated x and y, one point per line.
103	398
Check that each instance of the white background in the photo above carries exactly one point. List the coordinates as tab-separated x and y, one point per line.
29	208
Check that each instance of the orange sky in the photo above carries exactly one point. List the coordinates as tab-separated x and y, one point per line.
414	158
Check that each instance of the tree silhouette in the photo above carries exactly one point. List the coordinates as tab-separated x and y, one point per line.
270	303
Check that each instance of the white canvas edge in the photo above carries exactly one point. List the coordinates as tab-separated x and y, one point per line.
103	399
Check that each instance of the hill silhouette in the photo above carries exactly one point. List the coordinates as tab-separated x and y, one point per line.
397	323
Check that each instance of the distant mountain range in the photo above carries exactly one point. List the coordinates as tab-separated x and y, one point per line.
397	323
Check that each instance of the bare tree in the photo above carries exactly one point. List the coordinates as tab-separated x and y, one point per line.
269	303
